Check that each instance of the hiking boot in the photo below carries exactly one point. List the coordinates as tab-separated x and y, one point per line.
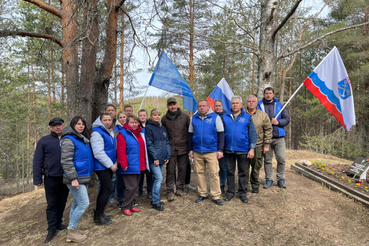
170	196
83	232
180	192
140	194
75	236
100	219
268	184
281	184
50	235
255	190
158	206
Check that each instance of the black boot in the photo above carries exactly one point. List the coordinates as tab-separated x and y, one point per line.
100	219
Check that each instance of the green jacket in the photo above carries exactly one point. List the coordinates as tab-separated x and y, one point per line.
263	126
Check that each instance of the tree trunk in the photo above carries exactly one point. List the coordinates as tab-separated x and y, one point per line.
191	42
121	85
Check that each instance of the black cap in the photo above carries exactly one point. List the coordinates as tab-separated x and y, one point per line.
55	121
171	100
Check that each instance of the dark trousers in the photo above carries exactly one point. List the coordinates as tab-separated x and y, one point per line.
56	196
243	165
188	172
105	189
176	160
256	164
131	183
148	180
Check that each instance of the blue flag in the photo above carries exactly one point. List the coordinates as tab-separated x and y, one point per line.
166	77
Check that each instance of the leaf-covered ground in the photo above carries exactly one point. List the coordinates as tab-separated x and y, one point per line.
306	213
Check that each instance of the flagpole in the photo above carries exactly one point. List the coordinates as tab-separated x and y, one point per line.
144	97
289	100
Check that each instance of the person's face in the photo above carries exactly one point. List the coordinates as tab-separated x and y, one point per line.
142	116
111	110
236	105
203	107
122	119
57	129
79	127
128	110
133	123
218	107
172	107
155	117
268	95
107	121
252	103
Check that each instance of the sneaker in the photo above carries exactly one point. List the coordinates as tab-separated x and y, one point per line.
50	235
113	202
135	203
189	187
244	199
200	199
170	196
161	202
255	190
140	194
158	206
282	184
228	197
75	236
268	184
218	202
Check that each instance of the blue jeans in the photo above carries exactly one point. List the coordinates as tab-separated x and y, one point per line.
222	171
157	173
79	205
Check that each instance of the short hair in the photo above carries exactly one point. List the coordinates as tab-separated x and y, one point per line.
155	111
251	97
110	105
203	100
218	100
237	97
131	116
127	106
268	89
142	110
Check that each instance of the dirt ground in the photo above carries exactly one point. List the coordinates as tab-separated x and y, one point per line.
306	213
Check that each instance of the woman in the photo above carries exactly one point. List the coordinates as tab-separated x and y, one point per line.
77	163
121	120
131	151
142	115
159	153
103	145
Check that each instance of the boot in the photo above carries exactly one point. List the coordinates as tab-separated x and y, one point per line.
100	219
75	236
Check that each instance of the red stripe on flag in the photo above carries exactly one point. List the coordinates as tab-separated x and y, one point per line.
324	100
211	102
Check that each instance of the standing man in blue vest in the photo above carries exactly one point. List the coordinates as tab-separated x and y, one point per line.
206	142
240	143
271	106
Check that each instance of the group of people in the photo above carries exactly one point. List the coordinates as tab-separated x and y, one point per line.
122	148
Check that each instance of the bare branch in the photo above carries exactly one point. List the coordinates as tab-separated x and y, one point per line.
49	8
322	37
120	4
288	16
4	33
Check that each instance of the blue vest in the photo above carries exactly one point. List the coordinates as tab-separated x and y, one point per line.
205	136
110	147
83	158
117	128
236	133
132	152
277	107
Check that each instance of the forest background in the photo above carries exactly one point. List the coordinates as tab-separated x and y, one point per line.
62	58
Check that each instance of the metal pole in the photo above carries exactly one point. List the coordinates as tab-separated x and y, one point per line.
289	100
143	99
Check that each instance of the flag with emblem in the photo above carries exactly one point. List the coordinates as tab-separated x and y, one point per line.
330	83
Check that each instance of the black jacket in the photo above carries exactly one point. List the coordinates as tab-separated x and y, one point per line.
157	142
46	160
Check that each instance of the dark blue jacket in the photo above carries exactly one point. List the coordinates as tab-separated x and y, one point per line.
240	134
157	142
46	160
205	136
272	109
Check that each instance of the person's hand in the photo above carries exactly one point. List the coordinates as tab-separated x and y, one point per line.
191	154
114	168
275	121
166	161
219	155
251	154
75	184
156	162
266	150
125	169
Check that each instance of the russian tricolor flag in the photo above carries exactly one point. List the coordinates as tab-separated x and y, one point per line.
221	92
330	83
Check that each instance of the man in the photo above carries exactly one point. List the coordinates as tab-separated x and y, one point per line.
112	110
264	138
176	122
206	142
218	109
128	109
270	105
240	143
46	163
